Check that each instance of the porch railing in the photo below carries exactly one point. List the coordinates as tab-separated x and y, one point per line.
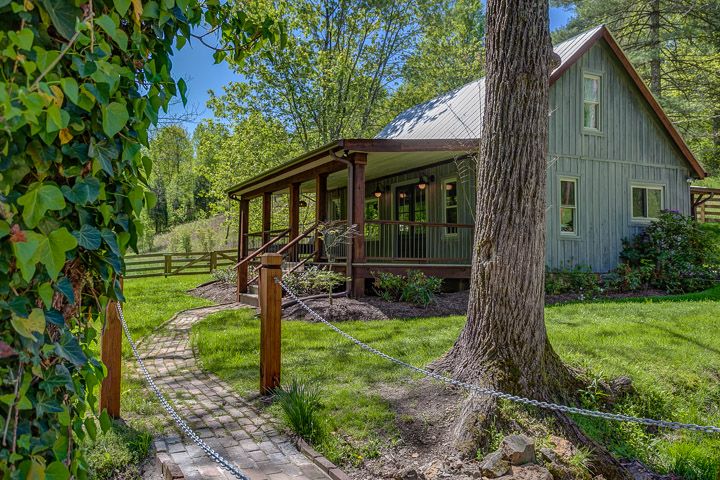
418	242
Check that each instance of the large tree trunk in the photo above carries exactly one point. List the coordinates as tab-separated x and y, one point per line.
655	50
504	344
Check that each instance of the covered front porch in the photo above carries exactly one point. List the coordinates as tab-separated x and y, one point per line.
362	206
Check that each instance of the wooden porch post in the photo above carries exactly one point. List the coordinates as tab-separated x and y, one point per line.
294	216
359	161
244	221
270	324
111	356
266	216
320	209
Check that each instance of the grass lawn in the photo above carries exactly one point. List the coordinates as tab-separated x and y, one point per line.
670	348
149	302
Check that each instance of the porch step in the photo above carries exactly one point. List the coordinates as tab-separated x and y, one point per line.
249	299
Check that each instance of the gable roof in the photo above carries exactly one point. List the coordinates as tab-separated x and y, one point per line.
457	114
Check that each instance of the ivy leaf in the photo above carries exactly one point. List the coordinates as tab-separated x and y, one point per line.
4	228
47	405
28	326
53	316
114	118
63	14
57	471
46	293
23	39
91	427
86	190
57	118
69	349
70	87
122	6
39	199
65	287
182	86
105	421
136	198
25	255
88	237
111	240
52	249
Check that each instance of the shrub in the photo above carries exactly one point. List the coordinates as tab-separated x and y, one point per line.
300	404
416	288
314	281
186	241
207	239
227	275
673	253
577	279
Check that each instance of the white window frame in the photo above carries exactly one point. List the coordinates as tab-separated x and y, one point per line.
576	183
646	186
444	205
599	78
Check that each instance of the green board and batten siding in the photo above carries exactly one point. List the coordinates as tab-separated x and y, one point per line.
632	148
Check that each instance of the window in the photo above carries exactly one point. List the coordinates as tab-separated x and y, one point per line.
372	212
450	195
647	202
591	102
568	207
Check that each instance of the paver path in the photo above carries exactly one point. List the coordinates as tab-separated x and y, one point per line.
227	422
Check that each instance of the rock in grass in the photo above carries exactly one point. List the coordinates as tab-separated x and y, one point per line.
531	472
494	465
518	449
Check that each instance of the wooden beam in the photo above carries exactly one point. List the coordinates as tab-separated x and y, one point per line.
357	218
270	325
242	269
266	216
111	355
294	221
320	209
301	176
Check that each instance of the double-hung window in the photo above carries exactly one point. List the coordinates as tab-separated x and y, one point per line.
647	202
591	101
450	202
568	207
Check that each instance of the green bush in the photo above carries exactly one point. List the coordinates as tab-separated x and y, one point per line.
314	281
416	287
226	275
577	279
300	404
116	453
673	253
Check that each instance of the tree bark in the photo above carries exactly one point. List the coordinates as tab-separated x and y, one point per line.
504	344
655	51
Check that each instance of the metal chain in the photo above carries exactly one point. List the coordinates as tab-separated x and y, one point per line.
501	395
171	411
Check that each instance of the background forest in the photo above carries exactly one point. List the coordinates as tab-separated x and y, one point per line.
350	67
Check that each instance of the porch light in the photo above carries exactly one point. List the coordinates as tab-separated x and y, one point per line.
423	182
302	203
449	186
377	193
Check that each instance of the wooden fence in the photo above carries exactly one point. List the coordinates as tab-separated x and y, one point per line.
706	204
166	264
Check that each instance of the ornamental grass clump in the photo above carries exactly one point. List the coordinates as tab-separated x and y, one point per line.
301	406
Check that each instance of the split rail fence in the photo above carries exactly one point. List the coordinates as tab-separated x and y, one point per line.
167	264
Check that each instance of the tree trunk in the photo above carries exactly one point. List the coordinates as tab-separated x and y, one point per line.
655	51
504	344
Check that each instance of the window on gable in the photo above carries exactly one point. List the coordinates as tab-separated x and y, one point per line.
647	202
591	101
450	202
568	206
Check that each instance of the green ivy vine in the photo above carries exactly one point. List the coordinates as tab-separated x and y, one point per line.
82	83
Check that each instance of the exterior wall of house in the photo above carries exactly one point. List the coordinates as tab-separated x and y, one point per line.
632	147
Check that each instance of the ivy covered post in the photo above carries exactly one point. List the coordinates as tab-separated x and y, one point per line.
82	83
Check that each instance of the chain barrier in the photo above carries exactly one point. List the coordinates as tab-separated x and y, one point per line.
497	394
171	411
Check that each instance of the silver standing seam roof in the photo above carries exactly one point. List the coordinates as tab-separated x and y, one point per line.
457	114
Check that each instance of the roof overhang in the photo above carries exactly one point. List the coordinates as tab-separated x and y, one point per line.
335	156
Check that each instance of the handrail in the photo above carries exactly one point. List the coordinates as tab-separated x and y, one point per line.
418	224
262	248
295	240
257	234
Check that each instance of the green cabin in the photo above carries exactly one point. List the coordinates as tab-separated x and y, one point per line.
615	161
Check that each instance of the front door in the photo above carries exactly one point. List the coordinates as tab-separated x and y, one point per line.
410	206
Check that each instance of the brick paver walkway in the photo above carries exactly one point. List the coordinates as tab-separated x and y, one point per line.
227	422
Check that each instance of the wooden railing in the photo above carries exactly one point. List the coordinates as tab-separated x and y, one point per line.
166	264
418	242
706	204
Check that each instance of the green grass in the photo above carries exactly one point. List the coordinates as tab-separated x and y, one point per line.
149	302
670	348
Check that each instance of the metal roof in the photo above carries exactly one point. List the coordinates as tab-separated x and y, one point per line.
457	114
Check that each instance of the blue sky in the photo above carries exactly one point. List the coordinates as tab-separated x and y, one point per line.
195	64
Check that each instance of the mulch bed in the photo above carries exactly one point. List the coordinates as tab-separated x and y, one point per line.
375	308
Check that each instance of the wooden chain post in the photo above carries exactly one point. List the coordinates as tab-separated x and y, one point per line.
270	313
111	356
